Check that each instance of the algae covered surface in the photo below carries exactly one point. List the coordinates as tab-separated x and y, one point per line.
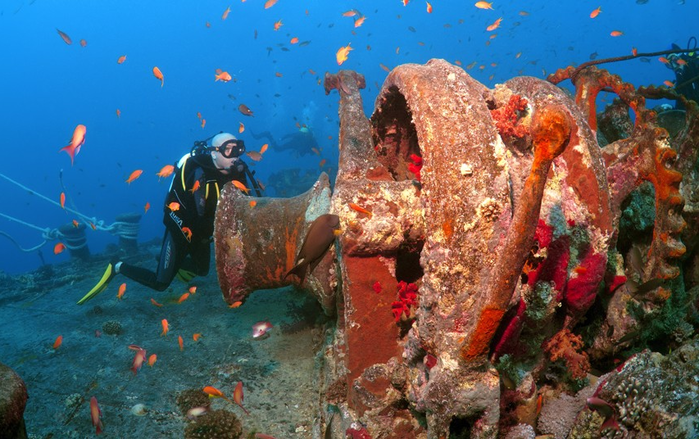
94	358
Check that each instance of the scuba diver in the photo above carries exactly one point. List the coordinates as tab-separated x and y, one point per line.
686	68
299	143
189	211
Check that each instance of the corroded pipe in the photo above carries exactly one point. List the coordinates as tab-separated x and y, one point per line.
550	131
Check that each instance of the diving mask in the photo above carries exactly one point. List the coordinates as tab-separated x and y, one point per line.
231	148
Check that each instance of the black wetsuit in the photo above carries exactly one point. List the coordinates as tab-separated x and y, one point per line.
195	215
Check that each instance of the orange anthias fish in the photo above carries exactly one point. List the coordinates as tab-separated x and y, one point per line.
294	40
225	13
63	200
73	148
83	43
174	206
484	5
213	392
95	414
238	396
121	59
270	3
195	186
196	336
254	155
180	342
146	207
222	76
429	8
359	21
596	12
76	224
138	359
118	113
241	127
495	25
342	54
351	13
278	24
158	74
122	290
616	33
152	359
65	37
58	342
165	171
159	305
166	327
183	297
134	175
192	289
240	186
58	248
359	209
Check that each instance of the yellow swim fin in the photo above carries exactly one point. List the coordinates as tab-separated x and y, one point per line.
185	275
108	275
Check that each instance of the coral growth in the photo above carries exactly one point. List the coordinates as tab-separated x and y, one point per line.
407	299
567	346
506	117
510	334
415	166
112	327
581	290
357	433
215	424
191	398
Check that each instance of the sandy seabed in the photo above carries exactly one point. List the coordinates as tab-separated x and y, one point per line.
278	372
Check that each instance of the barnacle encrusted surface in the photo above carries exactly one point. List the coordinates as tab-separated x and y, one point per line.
654	395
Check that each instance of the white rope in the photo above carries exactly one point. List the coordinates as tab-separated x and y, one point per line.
119	228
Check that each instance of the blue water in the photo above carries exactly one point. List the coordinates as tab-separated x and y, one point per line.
48	87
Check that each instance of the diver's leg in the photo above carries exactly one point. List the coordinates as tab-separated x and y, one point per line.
172	253
201	256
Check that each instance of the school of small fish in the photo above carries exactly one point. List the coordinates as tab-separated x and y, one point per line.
487	16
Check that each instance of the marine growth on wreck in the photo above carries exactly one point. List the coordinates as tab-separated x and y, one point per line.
498	273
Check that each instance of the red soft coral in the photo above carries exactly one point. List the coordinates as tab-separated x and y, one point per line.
407	295
509	338
506	117
415	166
581	290
567	346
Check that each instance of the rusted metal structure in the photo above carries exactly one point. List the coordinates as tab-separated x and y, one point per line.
472	219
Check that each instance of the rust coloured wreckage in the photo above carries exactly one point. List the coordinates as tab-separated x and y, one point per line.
485	249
